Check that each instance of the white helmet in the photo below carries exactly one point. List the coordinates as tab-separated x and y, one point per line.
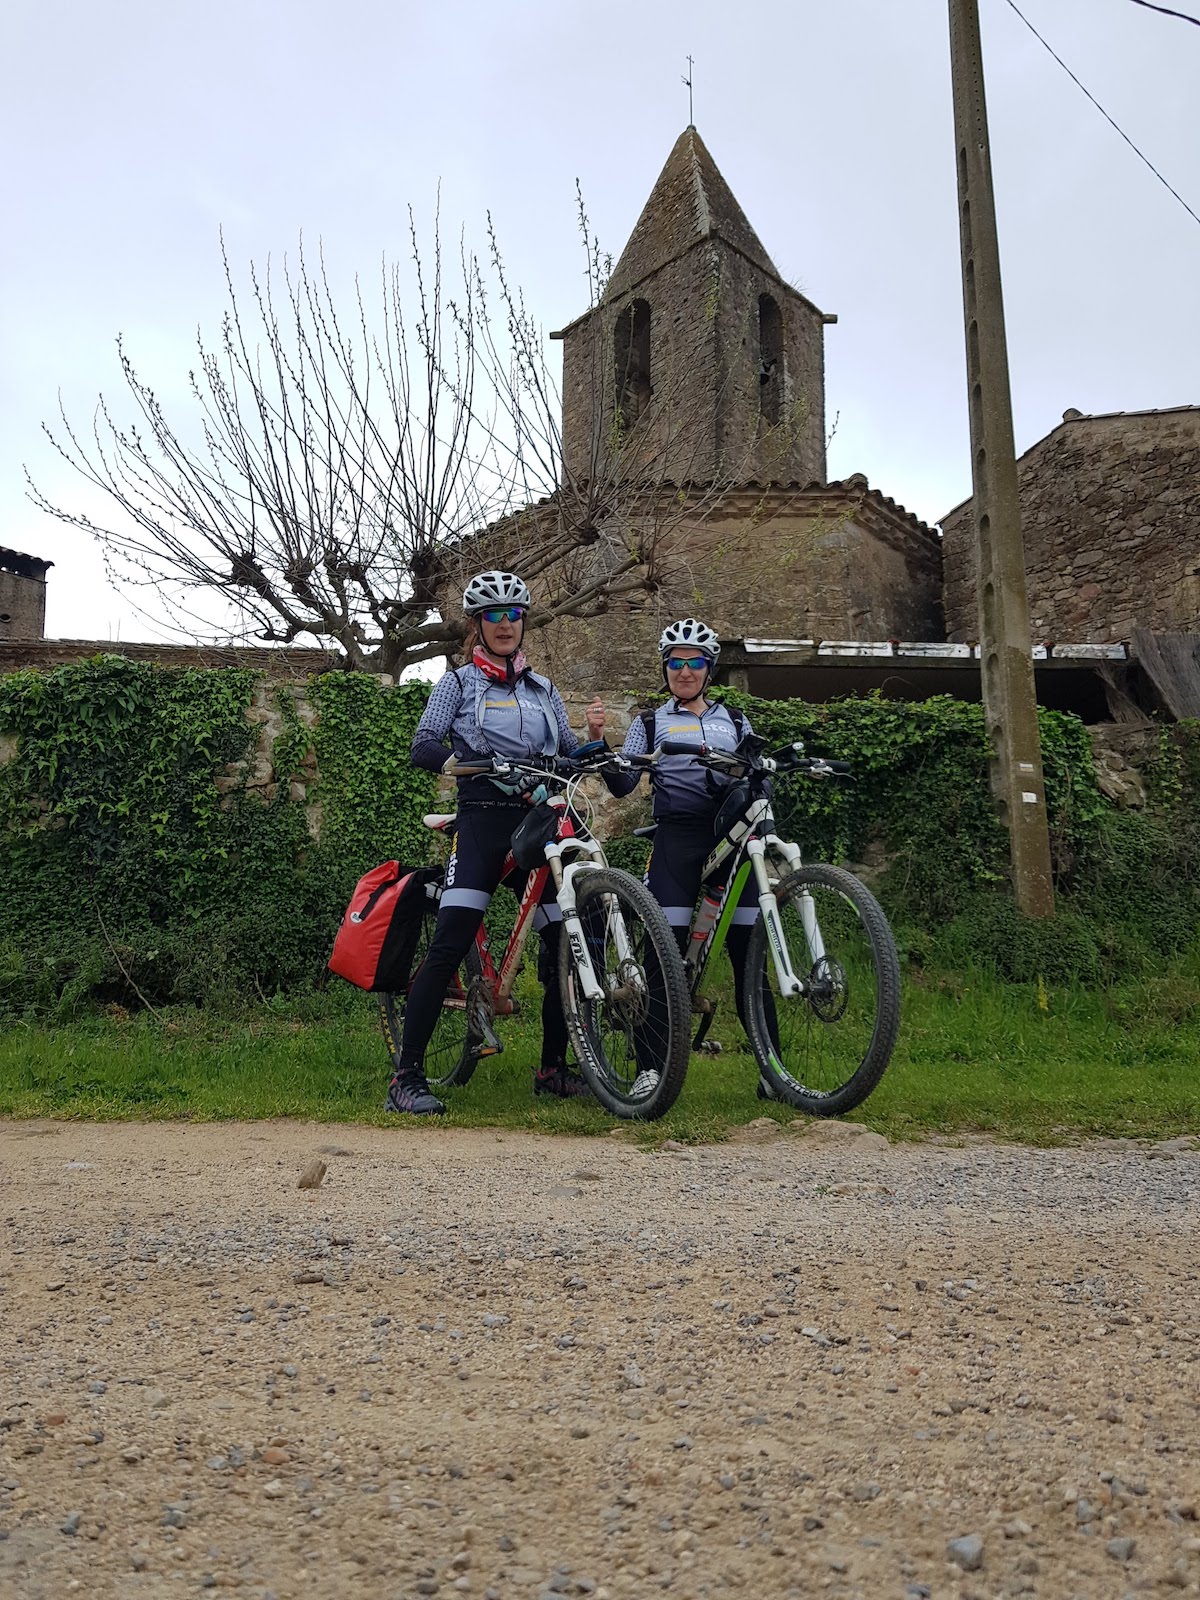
688	634
487	589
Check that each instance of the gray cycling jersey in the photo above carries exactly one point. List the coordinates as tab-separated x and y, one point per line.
681	784
470	713
516	720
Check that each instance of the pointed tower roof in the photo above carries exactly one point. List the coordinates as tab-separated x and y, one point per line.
691	201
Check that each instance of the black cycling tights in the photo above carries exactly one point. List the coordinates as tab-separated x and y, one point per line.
453	937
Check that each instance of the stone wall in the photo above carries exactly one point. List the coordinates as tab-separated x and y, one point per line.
256	774
279	664
793	451
832	563
1110	508
674	435
704	419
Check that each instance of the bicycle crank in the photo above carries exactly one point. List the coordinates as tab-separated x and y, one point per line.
481	1036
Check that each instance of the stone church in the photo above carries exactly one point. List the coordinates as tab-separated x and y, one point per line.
701	342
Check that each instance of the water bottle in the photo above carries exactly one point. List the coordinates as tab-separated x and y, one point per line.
705	917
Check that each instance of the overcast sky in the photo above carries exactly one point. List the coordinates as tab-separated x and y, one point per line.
134	130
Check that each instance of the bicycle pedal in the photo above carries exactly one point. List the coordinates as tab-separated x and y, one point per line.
487	1044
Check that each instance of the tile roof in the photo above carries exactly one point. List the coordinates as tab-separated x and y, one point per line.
855	489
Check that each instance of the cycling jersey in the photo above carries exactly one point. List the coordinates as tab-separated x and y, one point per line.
473	714
682	787
484	710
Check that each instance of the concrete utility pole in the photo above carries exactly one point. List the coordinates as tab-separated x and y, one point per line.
1009	700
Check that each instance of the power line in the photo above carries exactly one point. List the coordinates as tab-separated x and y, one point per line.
1101	109
1167	12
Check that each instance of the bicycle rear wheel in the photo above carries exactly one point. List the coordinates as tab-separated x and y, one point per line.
824	1052
450	1061
640	1030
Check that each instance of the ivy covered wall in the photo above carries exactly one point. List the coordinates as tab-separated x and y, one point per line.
192	835
1128	883
187	834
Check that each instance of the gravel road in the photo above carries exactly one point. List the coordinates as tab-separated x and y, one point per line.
493	1364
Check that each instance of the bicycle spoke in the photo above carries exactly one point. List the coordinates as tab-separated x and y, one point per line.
825	1050
632	1042
631	1022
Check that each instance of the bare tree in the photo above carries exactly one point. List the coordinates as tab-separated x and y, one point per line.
339	477
327	467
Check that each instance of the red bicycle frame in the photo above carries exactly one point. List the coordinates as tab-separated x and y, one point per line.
500	979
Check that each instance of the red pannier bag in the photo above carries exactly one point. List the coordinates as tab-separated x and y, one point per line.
377	940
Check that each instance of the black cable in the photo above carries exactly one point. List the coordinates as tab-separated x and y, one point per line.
1167	12
1102	111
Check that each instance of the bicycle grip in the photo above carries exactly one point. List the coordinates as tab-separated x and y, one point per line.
466	768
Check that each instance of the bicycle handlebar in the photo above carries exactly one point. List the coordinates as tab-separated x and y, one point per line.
786	760
560	768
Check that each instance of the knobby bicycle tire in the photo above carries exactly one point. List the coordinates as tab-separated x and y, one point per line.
791	1080
656	1032
449	1061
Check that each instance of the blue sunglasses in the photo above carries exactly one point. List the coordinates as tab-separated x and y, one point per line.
677	663
503	614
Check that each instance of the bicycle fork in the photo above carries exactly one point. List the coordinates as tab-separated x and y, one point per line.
573	926
789	982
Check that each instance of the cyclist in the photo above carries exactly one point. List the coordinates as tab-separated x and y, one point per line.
492	706
687	796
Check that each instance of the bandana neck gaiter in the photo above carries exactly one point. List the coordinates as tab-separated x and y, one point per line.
508	673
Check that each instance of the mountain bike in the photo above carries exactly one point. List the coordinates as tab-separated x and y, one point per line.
822	972
619	970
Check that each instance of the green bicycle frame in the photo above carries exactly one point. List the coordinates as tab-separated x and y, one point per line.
748	852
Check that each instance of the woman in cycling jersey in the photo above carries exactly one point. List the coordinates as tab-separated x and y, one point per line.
687	796
492	706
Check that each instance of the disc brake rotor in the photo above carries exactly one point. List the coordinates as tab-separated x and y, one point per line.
828	991
628	1001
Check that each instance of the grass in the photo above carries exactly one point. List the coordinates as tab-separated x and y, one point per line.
975	1056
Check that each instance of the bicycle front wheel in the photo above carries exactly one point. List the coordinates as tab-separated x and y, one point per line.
632	1045
823	1052
450	1060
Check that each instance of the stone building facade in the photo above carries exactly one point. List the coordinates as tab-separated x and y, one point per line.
22	595
831	561
1110	509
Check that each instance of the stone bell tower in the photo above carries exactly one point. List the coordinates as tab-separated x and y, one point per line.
22	595
699	345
